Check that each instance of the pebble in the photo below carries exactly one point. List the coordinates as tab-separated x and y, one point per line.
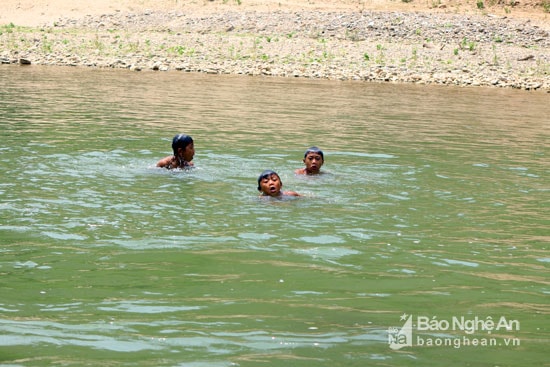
395	47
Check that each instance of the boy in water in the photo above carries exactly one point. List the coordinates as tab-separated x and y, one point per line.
269	184
184	150
313	159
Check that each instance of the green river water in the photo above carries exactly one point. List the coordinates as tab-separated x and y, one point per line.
435	209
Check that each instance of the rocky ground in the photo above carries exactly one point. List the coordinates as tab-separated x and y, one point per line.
442	46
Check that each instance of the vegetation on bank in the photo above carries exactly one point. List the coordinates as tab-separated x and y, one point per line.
422	58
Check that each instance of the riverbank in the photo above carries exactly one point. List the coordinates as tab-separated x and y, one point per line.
348	41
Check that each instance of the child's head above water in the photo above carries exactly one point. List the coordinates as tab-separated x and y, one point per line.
270	184
184	149
181	141
313	159
314	150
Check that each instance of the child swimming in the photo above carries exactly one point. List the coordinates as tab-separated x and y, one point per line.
270	184
313	159
184	150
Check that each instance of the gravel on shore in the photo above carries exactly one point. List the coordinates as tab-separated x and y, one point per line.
402	47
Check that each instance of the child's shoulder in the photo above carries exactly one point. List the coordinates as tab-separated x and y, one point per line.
290	193
166	161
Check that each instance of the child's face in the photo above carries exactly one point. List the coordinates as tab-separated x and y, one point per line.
271	185
188	153
313	162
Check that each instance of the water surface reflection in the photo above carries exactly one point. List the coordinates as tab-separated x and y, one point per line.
435	205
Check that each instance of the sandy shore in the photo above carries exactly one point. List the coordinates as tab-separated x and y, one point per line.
454	43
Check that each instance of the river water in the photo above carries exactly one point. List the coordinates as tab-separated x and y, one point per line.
434	208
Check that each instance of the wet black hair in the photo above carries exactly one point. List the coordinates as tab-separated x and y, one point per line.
314	150
181	141
266	174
